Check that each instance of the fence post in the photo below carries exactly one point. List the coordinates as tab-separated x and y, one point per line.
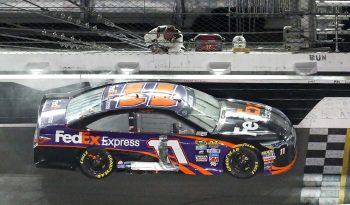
295	40
86	8
179	16
336	29
308	22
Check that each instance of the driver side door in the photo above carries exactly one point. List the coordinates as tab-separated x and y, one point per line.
169	128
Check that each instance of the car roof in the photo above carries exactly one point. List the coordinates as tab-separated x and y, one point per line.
126	96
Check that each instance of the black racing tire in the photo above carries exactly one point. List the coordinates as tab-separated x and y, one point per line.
96	162
242	162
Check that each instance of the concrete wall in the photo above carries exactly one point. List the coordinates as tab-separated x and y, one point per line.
90	62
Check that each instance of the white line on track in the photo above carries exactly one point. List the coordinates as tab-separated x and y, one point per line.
18	125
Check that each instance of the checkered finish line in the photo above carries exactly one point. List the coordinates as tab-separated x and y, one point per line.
325	151
323	166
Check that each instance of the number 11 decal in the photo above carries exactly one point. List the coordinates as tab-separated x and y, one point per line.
174	145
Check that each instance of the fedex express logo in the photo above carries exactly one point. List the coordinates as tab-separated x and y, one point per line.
86	139
250	114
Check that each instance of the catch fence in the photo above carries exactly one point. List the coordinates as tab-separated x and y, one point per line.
120	25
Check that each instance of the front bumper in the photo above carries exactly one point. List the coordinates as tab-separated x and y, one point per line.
278	170
281	157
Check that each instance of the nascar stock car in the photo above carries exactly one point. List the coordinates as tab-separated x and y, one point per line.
161	127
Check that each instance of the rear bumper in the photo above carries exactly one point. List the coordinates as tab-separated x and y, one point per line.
56	157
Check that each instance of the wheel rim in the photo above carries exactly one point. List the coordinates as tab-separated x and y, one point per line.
97	162
242	163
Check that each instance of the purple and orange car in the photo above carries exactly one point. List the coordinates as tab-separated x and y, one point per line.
161	127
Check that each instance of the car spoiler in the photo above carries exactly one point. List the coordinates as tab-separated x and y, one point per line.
61	94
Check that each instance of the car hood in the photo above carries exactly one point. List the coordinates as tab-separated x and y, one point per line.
252	120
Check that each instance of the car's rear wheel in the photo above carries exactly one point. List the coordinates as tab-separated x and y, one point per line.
96	162
242	162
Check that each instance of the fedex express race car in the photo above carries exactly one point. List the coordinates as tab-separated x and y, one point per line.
161	127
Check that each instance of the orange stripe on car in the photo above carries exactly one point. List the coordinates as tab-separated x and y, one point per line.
227	144
185	170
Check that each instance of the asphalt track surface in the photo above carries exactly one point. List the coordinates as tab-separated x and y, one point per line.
23	184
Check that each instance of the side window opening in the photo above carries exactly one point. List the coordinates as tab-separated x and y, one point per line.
111	123
157	122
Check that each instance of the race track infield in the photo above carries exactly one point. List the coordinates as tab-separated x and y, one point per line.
22	183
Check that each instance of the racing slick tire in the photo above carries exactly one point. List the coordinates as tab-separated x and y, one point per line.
96	162
242	162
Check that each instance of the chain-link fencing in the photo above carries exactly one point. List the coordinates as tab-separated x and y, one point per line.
121	25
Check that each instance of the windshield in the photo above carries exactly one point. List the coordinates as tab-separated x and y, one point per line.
84	104
205	109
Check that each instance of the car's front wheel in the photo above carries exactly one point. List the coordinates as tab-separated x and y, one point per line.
242	162
96	162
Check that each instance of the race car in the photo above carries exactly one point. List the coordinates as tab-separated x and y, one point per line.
161	127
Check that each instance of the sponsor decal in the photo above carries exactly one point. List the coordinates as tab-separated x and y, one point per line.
247	127
214	159
268	158
201	152
214	155
108	104
246	145
87	139
268	166
251	113
268	155
214	164
201	143
213	150
112	91
201	133
81	138
251	109
267	112
55	104
213	143
121	165
106	141
201	147
201	158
